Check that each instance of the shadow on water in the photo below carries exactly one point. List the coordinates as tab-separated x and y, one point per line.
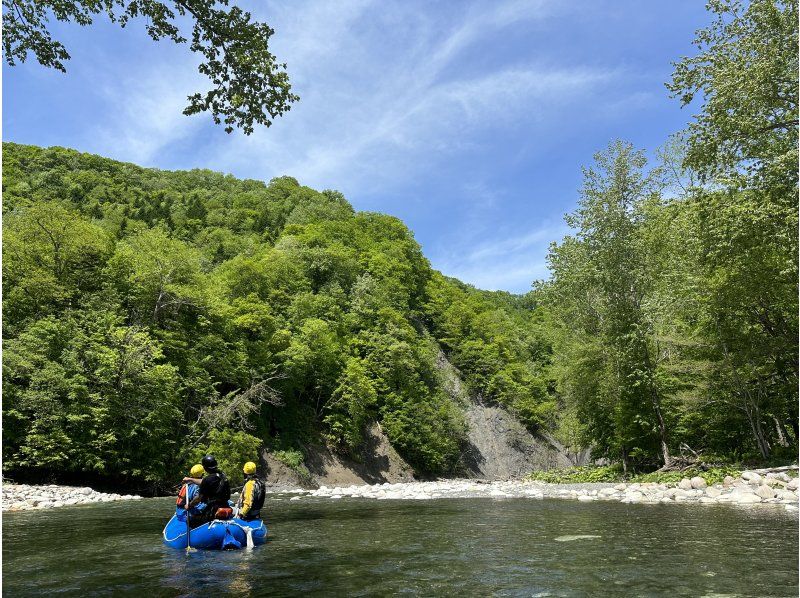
358	547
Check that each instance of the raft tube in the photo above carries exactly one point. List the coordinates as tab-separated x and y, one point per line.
216	535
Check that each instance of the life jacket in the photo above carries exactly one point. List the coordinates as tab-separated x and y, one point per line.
256	499
215	489
180	502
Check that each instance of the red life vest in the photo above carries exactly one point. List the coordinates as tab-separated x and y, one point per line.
181	500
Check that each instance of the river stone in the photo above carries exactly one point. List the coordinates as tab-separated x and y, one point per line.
620	487
634	496
685	484
792	485
765	491
751	477
585	498
728	480
747	498
86	491
698	483
787	495
713	492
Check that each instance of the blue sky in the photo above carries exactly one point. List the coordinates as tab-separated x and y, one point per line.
470	121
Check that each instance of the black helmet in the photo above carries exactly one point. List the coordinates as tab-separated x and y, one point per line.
209	463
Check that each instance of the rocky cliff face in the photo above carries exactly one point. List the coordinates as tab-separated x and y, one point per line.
379	463
499	447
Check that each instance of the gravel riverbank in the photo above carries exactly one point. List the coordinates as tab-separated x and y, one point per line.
26	497
751	488
760	487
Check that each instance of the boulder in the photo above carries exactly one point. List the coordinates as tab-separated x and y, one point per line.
620	487
765	491
787	495
751	477
634	496
698	483
728	480
792	484
713	492
747	498
685	484
585	498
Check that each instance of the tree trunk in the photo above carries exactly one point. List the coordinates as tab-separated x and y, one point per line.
783	435
754	417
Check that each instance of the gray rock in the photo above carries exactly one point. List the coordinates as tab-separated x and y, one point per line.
745	498
713	492
698	483
792	484
728	480
751	477
685	484
765	491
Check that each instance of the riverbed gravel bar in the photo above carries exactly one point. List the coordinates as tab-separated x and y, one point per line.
751	488
26	497
757	487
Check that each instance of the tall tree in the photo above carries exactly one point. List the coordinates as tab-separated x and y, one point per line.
602	272
249	86
746	76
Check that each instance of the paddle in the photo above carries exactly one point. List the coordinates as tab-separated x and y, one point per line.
188	525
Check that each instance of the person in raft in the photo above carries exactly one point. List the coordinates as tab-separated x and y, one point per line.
187	494
214	491
251	500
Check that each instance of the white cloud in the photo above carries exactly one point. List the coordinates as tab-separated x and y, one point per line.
502	262
382	96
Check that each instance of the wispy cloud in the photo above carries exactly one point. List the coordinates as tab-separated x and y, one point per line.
385	94
392	93
503	262
148	110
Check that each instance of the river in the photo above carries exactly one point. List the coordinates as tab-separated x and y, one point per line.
467	547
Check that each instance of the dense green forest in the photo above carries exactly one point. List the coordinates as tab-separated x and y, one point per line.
152	315
148	314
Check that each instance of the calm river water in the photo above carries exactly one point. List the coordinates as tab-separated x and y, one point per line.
465	547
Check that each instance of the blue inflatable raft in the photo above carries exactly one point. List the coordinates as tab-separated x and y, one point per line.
216	535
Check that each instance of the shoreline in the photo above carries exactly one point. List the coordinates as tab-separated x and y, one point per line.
30	497
750	488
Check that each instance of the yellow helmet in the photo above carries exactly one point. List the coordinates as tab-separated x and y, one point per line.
197	471
249	468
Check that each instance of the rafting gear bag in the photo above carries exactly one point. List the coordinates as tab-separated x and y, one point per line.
224	513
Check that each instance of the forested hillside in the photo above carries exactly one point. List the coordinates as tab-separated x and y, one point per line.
150	315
